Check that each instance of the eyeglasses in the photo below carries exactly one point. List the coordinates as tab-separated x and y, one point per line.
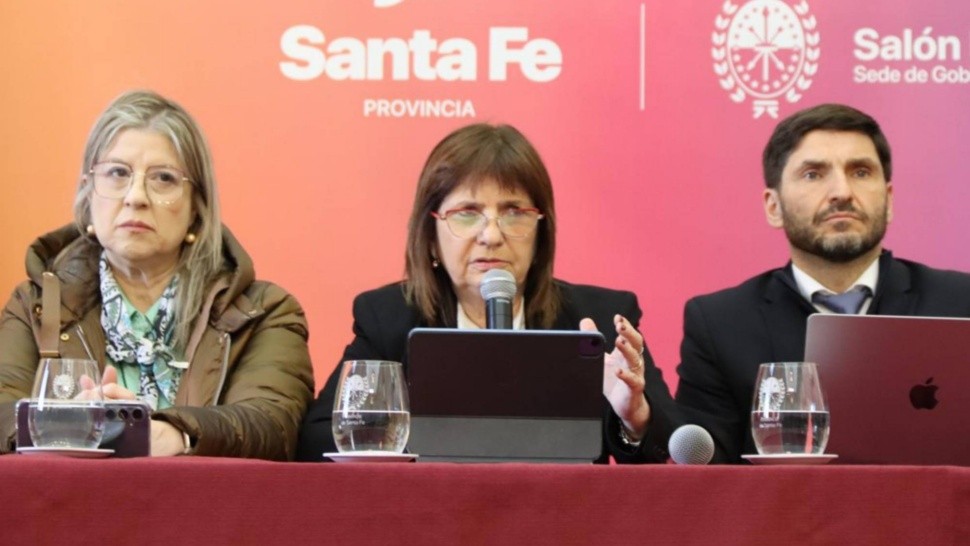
164	185
467	223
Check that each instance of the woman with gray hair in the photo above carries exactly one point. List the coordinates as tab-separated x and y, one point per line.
155	289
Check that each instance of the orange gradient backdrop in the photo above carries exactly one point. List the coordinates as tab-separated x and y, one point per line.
662	199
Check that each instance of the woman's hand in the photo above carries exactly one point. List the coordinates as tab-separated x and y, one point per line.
166	440
110	387
623	379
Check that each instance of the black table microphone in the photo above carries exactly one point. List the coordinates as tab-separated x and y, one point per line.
498	290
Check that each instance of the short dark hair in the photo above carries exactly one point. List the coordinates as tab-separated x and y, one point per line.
473	154
824	117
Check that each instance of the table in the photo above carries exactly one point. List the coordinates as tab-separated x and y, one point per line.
194	500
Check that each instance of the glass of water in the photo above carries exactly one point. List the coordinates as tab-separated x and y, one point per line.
371	411
66	407
789	415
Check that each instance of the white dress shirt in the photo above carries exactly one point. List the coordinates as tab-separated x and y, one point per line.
808	286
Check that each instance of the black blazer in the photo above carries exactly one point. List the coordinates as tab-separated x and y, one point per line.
727	334
383	319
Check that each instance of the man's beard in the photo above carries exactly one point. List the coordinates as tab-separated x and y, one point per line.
839	247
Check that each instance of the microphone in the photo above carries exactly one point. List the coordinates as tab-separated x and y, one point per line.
691	444
498	289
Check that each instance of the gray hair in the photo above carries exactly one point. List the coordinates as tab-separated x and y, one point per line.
201	262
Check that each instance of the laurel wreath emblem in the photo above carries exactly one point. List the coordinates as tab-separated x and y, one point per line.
63	386
719	53
771	393
355	391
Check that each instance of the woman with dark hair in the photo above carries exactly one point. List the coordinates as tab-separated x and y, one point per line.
484	201
150	284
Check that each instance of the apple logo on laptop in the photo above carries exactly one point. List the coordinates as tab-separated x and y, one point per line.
924	396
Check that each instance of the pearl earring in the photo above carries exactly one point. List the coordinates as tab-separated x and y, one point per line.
90	229
190	238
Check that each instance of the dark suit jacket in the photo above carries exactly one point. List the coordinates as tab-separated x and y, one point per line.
727	334
382	320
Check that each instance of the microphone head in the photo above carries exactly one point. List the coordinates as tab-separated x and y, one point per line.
498	283
691	444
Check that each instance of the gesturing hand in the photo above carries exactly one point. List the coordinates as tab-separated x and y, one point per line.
623	376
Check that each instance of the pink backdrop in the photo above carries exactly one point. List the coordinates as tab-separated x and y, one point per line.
662	199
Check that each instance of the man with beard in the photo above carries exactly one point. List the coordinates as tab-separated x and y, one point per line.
827	170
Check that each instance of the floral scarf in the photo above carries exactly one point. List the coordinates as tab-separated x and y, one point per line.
153	353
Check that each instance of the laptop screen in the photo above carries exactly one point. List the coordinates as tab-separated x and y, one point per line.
898	388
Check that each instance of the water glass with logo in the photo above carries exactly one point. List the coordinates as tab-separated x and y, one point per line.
66	407
371	410
789	414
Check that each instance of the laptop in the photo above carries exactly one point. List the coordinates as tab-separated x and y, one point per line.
505	395
898	388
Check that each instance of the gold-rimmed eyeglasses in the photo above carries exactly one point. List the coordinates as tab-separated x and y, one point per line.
163	184
512	222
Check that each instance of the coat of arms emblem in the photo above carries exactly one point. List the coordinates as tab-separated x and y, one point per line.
765	49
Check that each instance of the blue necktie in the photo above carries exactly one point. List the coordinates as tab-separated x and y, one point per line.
846	303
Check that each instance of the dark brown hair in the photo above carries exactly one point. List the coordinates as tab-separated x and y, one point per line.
473	154
824	117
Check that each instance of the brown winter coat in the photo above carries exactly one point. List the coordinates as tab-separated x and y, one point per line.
249	379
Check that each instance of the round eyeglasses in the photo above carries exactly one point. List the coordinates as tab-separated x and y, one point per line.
467	223
164	185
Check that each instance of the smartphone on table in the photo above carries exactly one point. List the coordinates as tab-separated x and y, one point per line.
127	427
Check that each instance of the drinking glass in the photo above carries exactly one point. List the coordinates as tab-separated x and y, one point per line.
371	411
66	407
789	414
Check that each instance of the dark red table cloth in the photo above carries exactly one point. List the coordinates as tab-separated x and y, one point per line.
189	500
